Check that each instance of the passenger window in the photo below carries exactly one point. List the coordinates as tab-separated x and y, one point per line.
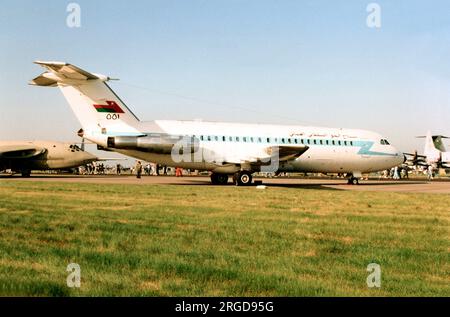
223	138
209	138
339	142
216	138
321	142
251	139
351	143
296	141
259	140
201	137
244	139
315	142
333	143
237	139
345	142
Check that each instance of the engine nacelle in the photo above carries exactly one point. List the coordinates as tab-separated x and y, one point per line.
158	143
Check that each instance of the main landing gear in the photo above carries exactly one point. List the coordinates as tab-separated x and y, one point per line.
353	181
242	178
219	179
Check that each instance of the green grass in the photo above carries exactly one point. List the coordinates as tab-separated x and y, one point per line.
220	241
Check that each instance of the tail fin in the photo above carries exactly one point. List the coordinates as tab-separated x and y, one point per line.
434	142
438	144
96	106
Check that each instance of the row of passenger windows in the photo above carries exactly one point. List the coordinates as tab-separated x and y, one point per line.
273	140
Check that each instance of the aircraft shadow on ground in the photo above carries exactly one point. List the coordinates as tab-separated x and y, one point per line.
324	186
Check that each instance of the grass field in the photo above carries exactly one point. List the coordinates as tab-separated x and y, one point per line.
160	240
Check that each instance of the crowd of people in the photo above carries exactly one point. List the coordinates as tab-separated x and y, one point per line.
150	169
395	173
139	169
94	168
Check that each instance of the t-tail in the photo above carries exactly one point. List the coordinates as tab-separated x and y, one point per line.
434	149
100	111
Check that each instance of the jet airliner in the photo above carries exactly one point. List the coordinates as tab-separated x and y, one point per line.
224	149
25	156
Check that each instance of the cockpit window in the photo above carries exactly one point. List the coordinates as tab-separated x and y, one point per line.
384	142
75	147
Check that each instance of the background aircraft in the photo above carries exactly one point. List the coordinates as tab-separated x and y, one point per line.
434	153
25	156
223	148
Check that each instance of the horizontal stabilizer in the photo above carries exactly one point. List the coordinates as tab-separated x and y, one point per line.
433	136
59	72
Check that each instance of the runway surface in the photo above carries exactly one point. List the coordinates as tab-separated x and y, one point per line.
411	186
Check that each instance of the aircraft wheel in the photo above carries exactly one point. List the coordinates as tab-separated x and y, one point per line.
214	180
26	173
243	178
353	181
222	179
219	179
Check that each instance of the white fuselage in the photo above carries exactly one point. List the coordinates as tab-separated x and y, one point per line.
329	150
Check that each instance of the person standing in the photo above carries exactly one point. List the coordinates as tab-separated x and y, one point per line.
430	172
396	175
138	169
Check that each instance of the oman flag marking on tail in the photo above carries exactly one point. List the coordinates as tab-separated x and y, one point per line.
110	107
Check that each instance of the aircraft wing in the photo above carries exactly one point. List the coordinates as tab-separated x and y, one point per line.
415	159
99	159
415	155
283	153
20	151
287	152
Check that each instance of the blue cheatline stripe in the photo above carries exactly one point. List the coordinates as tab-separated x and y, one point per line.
366	146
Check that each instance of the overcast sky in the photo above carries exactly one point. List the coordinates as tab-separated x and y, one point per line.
293	62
